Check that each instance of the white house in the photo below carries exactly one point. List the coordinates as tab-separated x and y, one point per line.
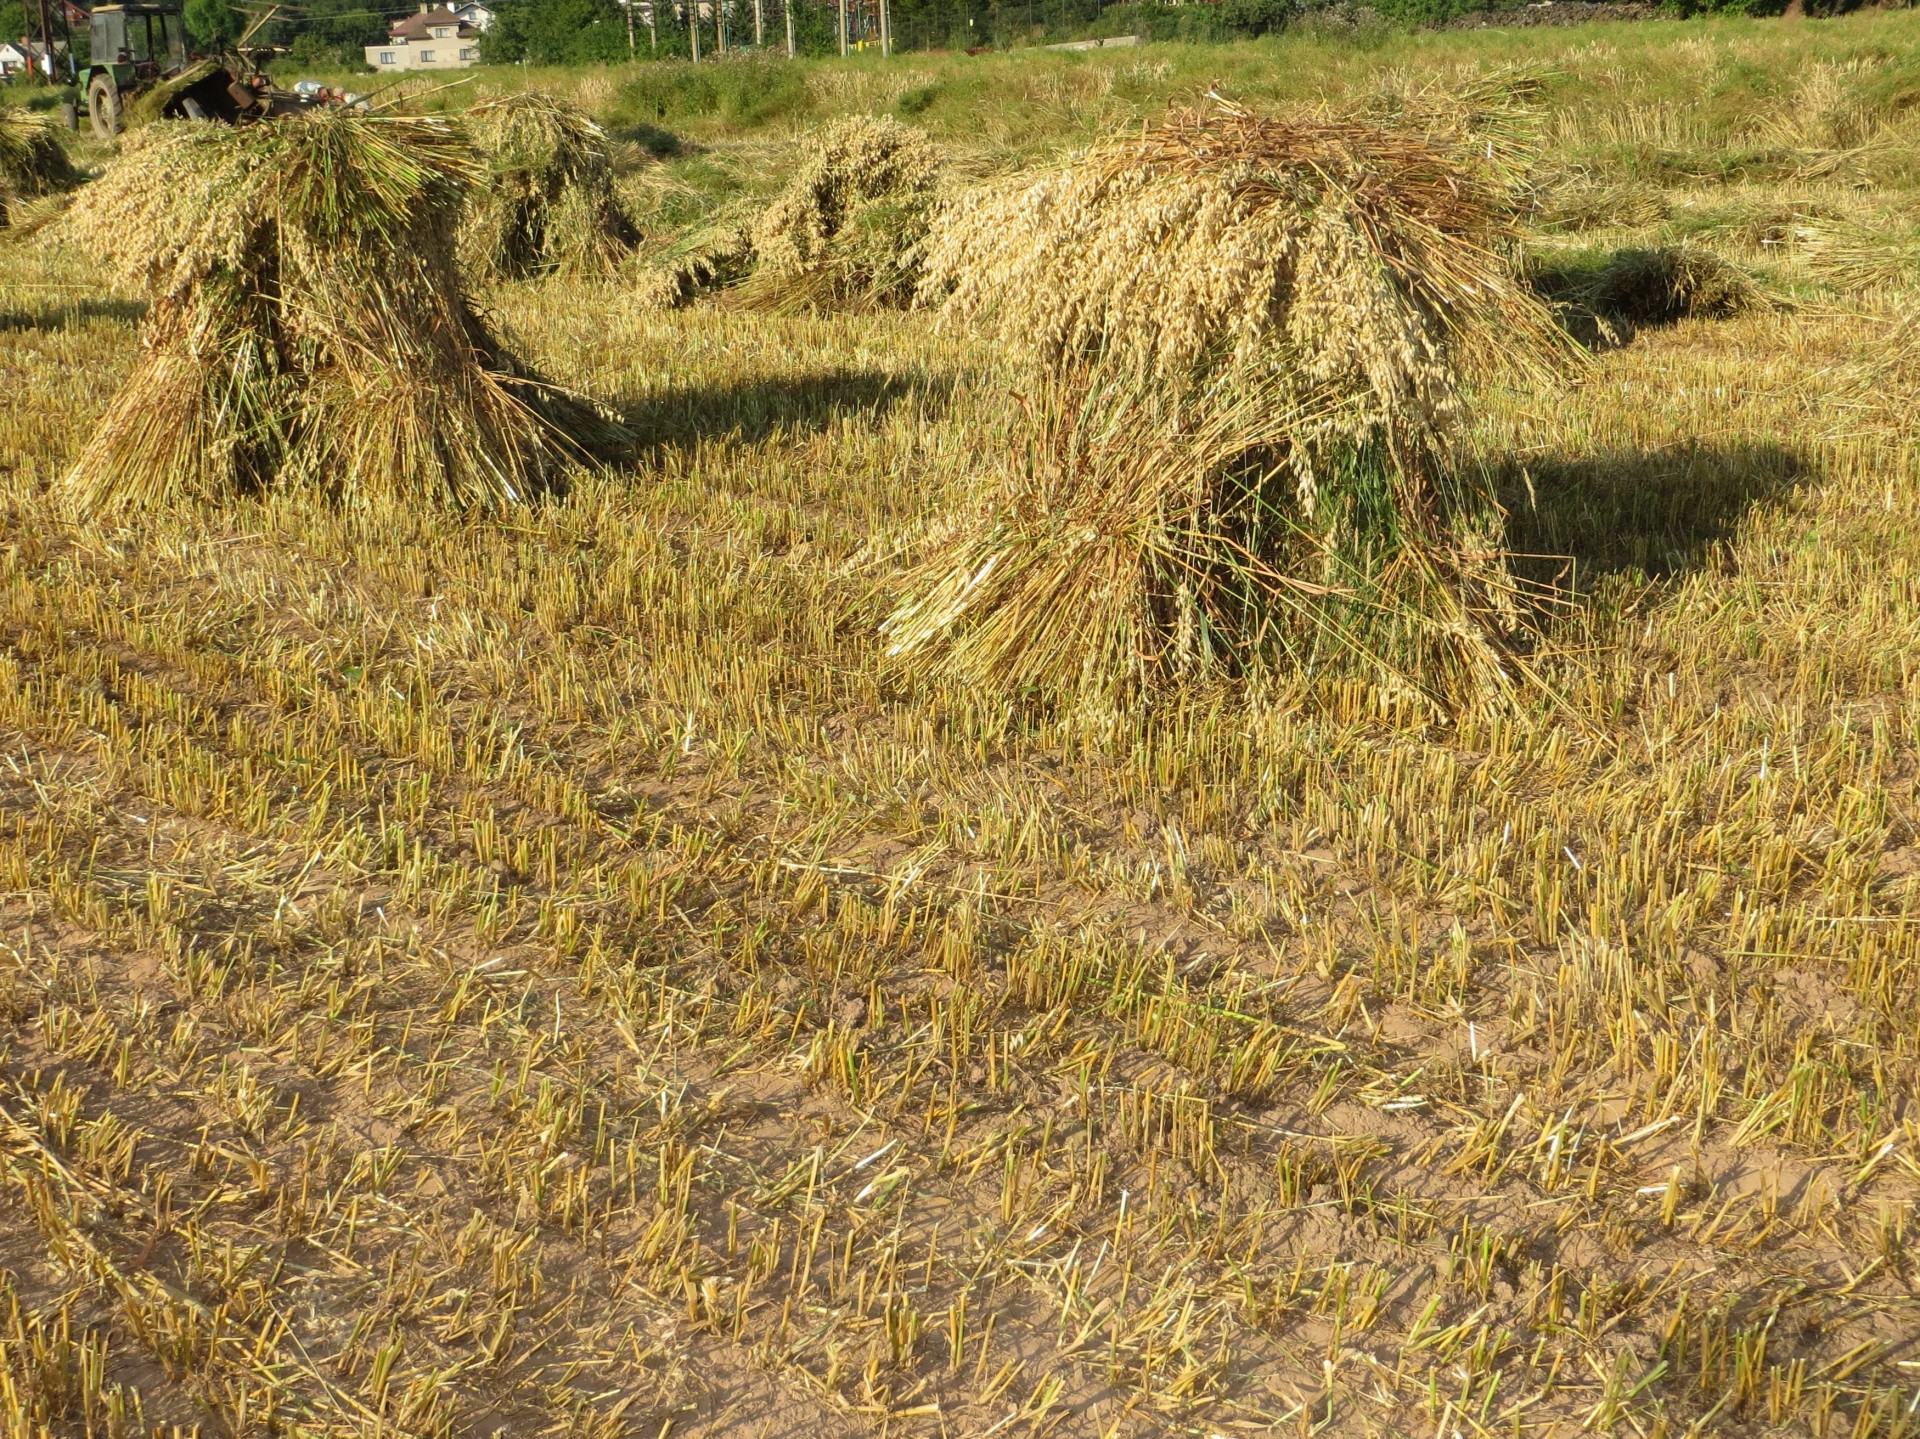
434	39
19	56
474	14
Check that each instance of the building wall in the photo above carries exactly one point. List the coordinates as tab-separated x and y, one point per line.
455	54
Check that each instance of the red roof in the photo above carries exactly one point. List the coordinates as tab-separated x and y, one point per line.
420	26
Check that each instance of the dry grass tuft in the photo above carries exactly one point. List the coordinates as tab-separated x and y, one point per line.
1667	283
547	204
307	322
1252	332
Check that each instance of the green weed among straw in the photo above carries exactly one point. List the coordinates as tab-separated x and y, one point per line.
1269	320
308	324
547	203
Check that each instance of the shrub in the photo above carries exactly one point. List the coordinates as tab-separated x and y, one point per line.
743	91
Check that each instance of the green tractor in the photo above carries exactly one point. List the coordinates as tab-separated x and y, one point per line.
142	70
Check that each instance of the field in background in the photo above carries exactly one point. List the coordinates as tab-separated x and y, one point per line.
544	976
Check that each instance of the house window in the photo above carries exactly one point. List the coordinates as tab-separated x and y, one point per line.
441	32
466	54
426	57
386	57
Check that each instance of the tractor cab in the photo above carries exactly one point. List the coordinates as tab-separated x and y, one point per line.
136	43
141	62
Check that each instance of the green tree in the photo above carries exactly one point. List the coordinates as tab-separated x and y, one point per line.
331	32
558	32
213	24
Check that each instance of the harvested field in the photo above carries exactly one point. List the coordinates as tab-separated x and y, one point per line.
544	970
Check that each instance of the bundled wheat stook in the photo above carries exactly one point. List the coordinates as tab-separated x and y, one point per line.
308	322
848	226
845	231
1290	305
547	202
33	162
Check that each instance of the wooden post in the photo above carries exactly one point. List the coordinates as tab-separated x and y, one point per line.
759	25
843	29
46	41
886	29
792	49
693	27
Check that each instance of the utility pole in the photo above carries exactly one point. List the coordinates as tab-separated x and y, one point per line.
720	25
886	29
46	42
759	25
693	27
792	49
843	29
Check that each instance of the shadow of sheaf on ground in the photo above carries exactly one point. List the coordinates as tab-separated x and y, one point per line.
1657	514
753	410
66	314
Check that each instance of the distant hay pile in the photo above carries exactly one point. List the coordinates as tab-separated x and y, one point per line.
1666	283
1242	340
307	322
33	162
547	204
844	233
847	229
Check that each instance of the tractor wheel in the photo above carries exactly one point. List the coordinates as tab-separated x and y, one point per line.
103	105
